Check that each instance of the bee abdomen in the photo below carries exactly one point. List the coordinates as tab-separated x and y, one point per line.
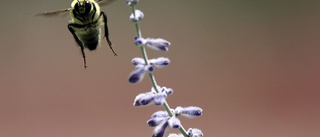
91	42
91	39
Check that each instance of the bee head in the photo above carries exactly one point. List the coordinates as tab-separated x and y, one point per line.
82	7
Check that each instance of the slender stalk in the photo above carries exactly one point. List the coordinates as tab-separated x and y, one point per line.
151	76
136	23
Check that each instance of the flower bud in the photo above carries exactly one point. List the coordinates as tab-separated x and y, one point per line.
156	121
139	41
137	75
160	62
132	2
194	132
146	100
178	110
158	44
174	122
143	99
189	112
137	61
160	130
166	90
159	98
137	100
169	91
149	68
138	15
160	114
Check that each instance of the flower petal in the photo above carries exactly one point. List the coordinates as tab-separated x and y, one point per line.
137	75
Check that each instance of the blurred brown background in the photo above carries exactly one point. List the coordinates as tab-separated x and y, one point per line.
253	66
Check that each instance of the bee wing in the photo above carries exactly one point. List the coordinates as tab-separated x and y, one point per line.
104	2
59	13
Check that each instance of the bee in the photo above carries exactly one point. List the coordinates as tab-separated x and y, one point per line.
86	22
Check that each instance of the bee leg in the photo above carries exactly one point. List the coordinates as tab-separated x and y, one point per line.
70	25
106	32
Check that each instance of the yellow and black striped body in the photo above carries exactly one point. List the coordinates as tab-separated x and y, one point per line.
86	22
85	25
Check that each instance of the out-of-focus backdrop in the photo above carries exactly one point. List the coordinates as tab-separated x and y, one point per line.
253	66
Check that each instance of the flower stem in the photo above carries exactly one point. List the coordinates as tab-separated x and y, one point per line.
136	23
151	76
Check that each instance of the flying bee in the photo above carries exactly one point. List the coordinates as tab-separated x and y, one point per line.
85	24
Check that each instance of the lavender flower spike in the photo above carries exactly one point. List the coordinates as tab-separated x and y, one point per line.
137	16
158	44
160	120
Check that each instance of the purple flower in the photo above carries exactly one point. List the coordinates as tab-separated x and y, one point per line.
139	41
169	91
159	98
138	15
148	98
174	123
137	75
160	120
160	130
189	112
156	121
132	2
166	90
138	61
158	44
143	99
194	132
160	114
149	68
160	62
